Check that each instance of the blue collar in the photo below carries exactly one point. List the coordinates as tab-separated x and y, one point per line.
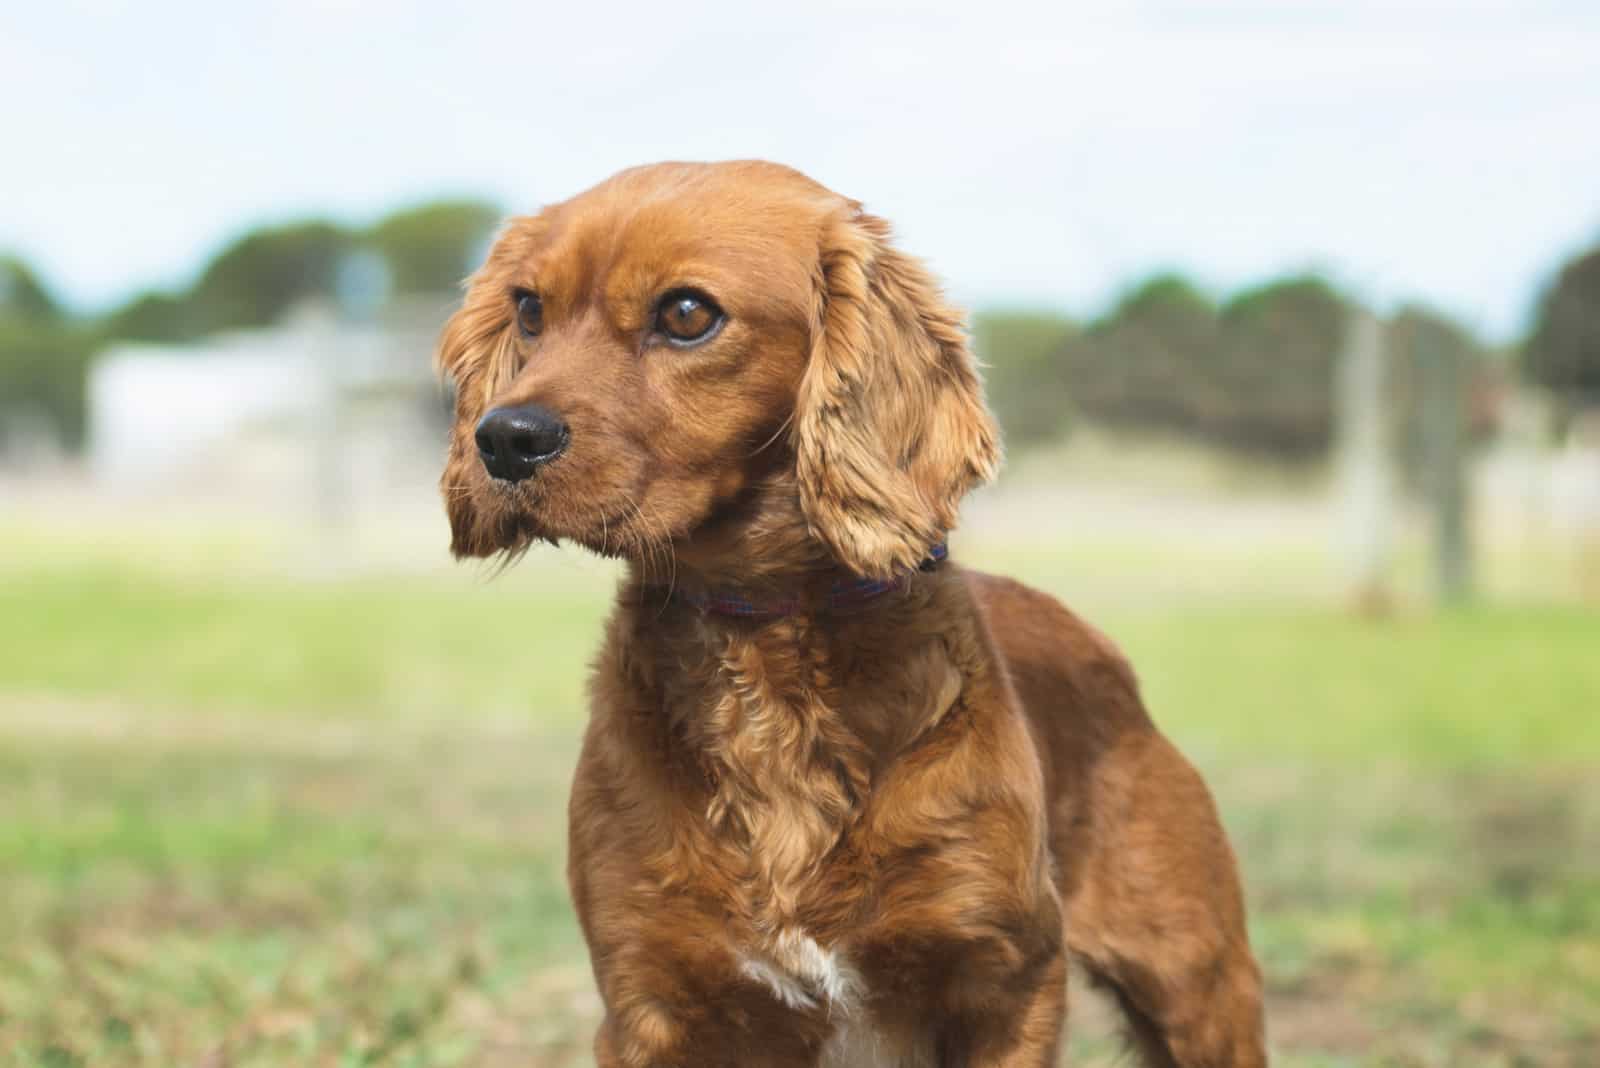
845	595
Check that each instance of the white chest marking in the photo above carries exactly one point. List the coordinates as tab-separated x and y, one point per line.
803	975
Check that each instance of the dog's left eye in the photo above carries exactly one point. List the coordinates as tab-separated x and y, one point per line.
685	318
530	313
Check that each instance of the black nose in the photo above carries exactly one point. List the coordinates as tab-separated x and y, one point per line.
513	442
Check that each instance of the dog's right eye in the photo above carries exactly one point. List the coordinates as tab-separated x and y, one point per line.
686	317
530	313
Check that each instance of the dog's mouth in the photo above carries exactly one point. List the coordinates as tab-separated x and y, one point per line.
619	526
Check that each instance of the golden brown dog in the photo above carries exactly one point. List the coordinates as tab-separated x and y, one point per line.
838	804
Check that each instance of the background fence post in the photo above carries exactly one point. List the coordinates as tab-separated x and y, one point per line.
1444	381
1366	475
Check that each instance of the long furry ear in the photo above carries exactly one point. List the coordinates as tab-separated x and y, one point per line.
891	429
475	354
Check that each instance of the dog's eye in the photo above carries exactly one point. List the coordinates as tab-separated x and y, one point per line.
685	318
530	313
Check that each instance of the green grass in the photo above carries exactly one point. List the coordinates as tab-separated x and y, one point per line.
392	645
289	894
1477	687
248	818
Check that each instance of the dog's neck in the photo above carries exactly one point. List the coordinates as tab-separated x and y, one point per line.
843	596
757	557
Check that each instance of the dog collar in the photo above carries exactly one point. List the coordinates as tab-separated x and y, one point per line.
845	594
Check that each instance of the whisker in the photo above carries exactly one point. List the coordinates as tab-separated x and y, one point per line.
776	434
672	559
641	539
652	538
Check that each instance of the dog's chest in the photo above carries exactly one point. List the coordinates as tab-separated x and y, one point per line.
789	747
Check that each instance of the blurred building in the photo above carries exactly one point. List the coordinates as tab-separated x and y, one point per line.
320	409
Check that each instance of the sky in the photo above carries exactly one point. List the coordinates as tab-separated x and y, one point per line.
1034	153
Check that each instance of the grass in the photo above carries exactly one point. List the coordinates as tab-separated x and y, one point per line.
249	818
206	631
288	894
1501	687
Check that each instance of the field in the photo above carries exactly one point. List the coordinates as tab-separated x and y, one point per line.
255	816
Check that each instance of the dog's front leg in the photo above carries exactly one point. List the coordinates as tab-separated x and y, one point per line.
687	1002
1012	1030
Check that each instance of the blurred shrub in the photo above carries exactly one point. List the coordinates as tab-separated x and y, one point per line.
1025	378
255	279
1563	352
151	316
23	298
42	359
1276	359
42	378
1256	375
251	282
1139	365
431	248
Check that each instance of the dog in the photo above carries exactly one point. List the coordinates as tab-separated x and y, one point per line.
840	801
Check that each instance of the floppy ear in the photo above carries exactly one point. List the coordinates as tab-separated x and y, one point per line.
891	430
475	355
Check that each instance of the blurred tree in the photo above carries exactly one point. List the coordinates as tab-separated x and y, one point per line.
432	247
1258	375
1144	363
1025	375
22	295
42	358
1277	358
1563	353
42	377
151	316
257	278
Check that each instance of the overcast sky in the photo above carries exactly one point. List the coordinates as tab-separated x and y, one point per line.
1045	152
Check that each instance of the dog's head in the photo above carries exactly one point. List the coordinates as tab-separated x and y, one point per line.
688	357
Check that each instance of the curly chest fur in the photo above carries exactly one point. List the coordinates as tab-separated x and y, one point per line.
790	762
